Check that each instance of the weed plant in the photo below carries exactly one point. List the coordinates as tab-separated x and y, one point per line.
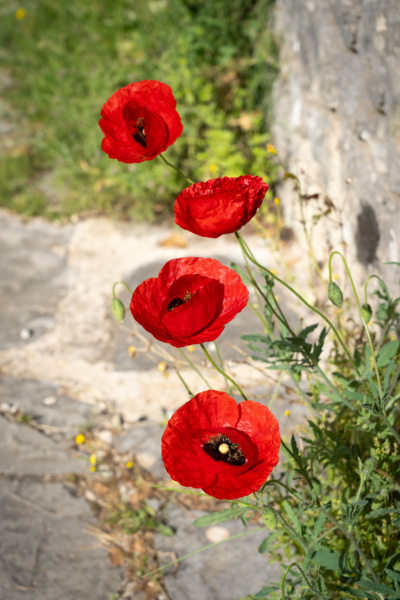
66	58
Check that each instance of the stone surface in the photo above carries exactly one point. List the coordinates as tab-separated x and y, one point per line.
228	571
34	277
46	404
337	126
69	372
46	550
143	441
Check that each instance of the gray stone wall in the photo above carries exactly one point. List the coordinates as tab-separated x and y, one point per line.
337	125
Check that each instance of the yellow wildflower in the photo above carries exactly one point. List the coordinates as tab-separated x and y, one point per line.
80	439
191	348
213	168
129	464
271	149
93	459
92	469
20	14
132	351
277	201
287	413
162	366
335	276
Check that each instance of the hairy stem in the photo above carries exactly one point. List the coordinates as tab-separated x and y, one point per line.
216	367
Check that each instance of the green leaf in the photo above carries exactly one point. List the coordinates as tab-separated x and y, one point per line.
324	557
220	516
265	544
393	575
319	525
292	516
387	352
265	591
379	587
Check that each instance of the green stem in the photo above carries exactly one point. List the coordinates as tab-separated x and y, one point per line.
198	550
390	321
351	538
195	369
122	283
175	168
305	578
308	239
184	383
276	390
378	380
221	362
216	367
281	317
293	291
301	467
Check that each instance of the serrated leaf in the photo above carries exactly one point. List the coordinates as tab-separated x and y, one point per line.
393	575
387	352
220	516
379	587
380	512
319	525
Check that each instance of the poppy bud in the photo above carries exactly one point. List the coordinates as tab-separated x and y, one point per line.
335	294
366	313
269	517
118	309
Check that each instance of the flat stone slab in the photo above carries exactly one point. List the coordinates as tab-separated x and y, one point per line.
46	550
32	276
44	402
228	571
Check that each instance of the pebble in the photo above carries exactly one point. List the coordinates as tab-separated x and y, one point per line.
49	401
145	460
90	496
25	333
217	534
105	436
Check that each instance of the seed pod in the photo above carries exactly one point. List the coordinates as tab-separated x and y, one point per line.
269	517
118	309
366	312
335	294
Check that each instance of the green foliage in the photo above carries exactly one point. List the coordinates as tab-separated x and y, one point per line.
334	506
67	58
130	520
236	510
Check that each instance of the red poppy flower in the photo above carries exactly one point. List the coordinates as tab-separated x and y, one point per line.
139	122
190	301
221	205
225	448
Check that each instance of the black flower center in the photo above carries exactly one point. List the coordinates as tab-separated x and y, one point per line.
140	134
178	301
220	447
174	303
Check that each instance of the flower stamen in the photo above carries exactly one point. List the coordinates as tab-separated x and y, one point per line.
140	134
220	447
178	301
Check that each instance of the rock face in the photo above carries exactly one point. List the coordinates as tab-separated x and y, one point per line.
337	125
